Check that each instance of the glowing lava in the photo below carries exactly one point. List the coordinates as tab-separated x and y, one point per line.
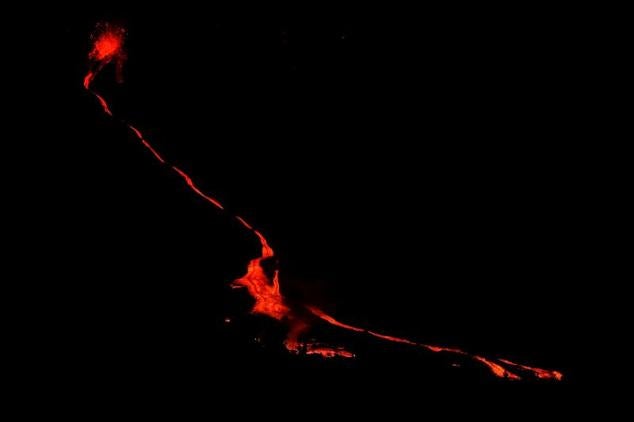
263	287
107	47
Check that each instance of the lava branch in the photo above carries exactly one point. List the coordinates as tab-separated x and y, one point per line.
496	368
264	288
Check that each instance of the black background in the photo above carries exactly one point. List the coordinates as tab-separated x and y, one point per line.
420	177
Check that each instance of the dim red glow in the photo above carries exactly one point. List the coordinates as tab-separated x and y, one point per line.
262	286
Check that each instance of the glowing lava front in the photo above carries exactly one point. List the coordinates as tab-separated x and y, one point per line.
264	288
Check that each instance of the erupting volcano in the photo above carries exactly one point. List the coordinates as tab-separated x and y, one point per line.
262	284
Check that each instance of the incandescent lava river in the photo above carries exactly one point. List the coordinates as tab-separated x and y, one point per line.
262	285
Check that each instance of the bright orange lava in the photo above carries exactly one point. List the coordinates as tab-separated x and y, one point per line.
264	288
539	373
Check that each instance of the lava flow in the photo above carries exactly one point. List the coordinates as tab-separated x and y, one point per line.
262	286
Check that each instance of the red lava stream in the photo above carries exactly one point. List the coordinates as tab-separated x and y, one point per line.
264	288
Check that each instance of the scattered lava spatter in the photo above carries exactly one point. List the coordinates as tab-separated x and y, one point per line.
264	286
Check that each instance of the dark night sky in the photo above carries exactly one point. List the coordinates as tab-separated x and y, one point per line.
421	179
